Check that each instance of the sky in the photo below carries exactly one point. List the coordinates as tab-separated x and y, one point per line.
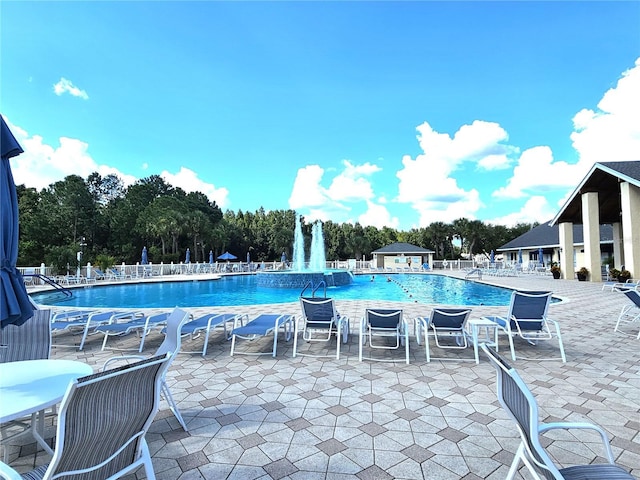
396	114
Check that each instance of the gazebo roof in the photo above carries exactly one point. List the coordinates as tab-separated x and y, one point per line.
603	178
402	247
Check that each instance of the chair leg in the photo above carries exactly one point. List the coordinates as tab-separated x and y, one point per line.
172	405
516	462
564	358
146	460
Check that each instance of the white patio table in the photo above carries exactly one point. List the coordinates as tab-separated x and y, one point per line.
32	386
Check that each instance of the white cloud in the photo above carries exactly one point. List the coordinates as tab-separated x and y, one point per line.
347	189
41	164
536	209
536	171
428	183
66	86
378	216
188	180
612	132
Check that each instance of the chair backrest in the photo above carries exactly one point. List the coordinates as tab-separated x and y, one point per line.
103	419
172	338
529	309
383	318
449	318
634	296
318	309
518	401
29	341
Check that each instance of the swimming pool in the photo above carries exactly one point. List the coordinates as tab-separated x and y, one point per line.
243	290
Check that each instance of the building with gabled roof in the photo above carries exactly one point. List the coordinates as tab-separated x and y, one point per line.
400	255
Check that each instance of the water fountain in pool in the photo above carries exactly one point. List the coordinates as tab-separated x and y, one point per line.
301	274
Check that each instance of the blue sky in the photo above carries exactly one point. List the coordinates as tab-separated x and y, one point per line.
393	114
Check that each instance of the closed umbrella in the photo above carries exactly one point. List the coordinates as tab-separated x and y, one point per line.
248	258
540	259
520	256
210	256
15	307
492	257
145	257
187	257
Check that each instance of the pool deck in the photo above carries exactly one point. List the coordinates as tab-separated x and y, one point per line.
259	417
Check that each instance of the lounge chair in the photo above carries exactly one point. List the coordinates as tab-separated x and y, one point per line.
99	274
320	321
102	425
527	319
208	322
261	326
139	323
520	404
171	344
384	324
86	321
115	274
448	328
629	313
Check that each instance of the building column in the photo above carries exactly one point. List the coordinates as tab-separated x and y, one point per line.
618	252
591	235
630	202
565	231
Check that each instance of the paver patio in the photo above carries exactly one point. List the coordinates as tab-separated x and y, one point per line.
258	417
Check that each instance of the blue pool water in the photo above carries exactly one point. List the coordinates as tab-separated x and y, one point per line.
243	290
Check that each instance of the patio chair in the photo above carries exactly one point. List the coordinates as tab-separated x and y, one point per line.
262	326
384	324
320	321
527	319
138	322
448	328
29	341
520	404
102	425
210	321
629	313
171	344
115	274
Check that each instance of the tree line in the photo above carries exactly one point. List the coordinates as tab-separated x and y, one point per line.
111	223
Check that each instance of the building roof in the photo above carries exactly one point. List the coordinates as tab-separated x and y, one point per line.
603	178
399	248
546	236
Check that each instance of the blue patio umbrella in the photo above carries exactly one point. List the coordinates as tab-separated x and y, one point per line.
227	256
248	257
283	258
540	258
492	257
520	256
145	257
210	256
187	257
15	307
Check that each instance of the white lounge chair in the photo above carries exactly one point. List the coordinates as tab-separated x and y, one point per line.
262	326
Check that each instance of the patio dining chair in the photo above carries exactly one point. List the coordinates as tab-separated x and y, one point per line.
447	326
520	404
527	319
383	324
171	344
102	425
319	322
630	313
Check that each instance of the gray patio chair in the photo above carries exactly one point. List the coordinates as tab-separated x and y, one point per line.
319	322
29	341
444	325
518	401
630	313
527	319
385	324
102	425
171	344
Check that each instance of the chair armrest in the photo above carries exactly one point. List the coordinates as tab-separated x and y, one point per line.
8	473
581	426
120	358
